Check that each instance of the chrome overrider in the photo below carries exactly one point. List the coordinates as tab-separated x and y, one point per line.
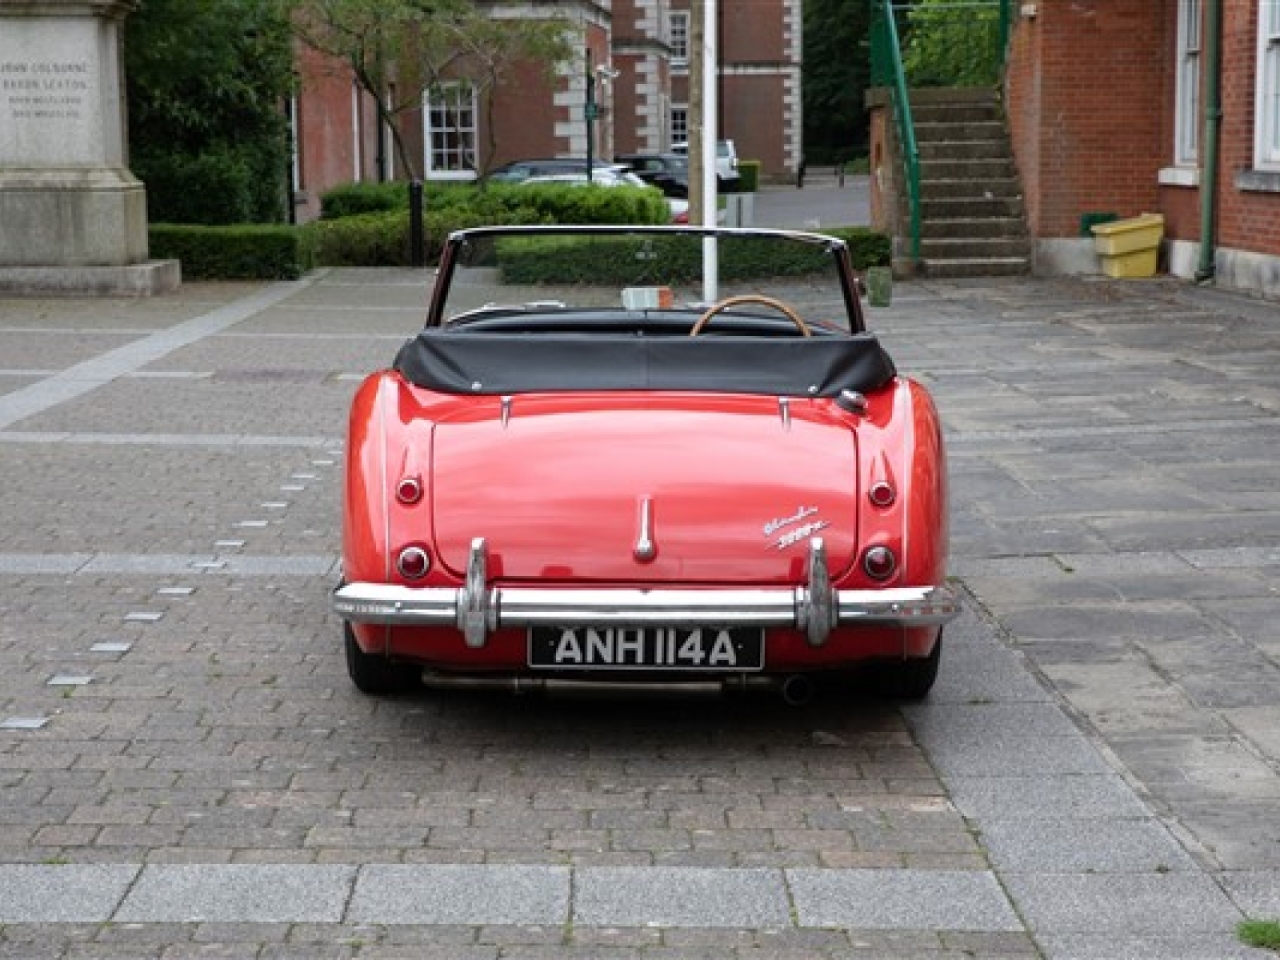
477	609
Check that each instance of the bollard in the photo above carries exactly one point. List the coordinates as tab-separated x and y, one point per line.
879	286
417	235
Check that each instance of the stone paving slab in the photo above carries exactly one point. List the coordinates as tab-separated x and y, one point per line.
1095	774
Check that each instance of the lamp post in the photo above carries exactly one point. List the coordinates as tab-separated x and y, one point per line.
589	113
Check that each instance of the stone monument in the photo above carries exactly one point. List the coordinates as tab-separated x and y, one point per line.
73	219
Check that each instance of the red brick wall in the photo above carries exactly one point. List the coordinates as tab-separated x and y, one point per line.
1085	91
524	118
1247	220
752	111
1090	97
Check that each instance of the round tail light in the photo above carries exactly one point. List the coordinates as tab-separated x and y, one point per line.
880	563
414	563
881	494
409	490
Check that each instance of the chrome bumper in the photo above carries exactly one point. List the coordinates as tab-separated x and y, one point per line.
478	609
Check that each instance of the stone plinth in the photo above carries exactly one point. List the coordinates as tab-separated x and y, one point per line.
69	207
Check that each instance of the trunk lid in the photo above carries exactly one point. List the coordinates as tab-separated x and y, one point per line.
728	489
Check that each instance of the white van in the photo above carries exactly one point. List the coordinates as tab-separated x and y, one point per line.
726	162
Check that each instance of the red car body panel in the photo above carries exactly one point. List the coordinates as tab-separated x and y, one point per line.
810	508
673	447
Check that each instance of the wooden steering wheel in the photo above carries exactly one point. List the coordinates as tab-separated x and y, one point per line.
728	302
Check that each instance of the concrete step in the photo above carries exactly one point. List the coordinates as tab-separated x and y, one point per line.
969	188
976	248
970	227
952	168
991	130
976	267
950	207
954	112
993	149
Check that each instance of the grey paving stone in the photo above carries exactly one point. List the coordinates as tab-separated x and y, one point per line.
679	897
1222	946
1256	892
63	893
77	380
238	893
1082	796
1014	755
1135	904
901	900
1083	845
461	894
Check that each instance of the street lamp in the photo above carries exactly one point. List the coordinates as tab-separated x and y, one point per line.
591	109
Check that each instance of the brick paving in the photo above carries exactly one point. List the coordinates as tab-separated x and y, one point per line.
1096	774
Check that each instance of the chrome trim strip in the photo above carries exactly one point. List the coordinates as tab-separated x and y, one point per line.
819	605
473	603
476	612
645	549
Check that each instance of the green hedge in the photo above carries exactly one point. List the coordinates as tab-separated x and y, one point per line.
748	176
245	252
568	260
379	236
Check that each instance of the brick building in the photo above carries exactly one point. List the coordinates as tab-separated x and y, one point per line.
635	58
1106	103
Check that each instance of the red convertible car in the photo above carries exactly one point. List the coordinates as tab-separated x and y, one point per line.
644	454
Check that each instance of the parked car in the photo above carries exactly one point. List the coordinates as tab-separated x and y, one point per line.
727	176
517	171
613	176
596	464
669	172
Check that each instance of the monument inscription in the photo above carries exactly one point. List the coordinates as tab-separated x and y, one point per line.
50	96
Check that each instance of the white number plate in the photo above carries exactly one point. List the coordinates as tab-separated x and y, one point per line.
706	649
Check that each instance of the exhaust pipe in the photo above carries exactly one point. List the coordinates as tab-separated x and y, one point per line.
798	690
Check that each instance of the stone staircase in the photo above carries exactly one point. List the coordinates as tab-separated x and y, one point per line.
972	218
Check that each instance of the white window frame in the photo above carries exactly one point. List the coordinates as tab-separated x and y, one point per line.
457	102
678	36
1186	147
1266	126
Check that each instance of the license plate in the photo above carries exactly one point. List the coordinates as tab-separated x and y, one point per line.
647	648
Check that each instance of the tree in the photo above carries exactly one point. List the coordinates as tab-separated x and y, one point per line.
953	44
401	50
836	72
206	85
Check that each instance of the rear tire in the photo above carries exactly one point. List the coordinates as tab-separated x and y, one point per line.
913	679
374	675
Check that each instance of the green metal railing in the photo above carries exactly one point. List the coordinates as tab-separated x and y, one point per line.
938	43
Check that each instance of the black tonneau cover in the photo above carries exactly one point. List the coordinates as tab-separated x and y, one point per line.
457	361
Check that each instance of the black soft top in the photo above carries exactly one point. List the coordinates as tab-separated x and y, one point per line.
479	359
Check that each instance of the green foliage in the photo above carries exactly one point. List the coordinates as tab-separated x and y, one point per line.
605	260
836	76
952	43
233	253
368	224
205	84
748	176
400	50
378	239
352	199
593	204
867	248
1260	933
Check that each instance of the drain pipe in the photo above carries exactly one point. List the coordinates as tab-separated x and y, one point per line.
1212	125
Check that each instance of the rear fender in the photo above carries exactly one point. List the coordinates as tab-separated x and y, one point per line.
364	501
900	446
